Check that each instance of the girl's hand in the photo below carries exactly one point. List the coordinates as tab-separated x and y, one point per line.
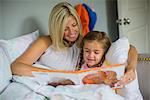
95	78
111	75
111	78
126	79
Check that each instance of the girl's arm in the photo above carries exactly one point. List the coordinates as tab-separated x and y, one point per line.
23	64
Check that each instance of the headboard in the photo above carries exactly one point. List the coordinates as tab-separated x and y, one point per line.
143	69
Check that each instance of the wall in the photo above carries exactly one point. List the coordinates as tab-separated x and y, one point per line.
149	24
24	16
112	16
0	17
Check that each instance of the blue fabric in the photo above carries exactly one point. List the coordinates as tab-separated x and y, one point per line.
92	16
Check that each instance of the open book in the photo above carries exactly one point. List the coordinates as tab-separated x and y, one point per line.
77	76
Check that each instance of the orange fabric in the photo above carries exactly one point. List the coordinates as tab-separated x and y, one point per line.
84	17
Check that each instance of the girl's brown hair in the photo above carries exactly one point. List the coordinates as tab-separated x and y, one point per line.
100	37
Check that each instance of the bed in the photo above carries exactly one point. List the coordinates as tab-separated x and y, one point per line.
143	69
11	49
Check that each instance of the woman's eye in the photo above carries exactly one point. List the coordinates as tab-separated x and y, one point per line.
66	29
75	24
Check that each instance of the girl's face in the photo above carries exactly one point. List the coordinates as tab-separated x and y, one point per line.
71	30
92	53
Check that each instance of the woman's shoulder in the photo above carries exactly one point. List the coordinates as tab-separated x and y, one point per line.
44	39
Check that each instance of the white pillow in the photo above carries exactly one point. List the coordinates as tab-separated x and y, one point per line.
9	51
118	52
16	46
5	71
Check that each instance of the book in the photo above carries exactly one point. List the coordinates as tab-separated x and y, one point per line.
77	76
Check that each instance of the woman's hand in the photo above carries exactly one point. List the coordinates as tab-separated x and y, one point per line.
62	82
126	79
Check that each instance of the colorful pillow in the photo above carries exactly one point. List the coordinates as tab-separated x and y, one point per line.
16	46
84	17
92	16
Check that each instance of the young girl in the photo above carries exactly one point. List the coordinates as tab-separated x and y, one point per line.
94	47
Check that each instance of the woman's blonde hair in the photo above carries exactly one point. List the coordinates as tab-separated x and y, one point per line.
57	19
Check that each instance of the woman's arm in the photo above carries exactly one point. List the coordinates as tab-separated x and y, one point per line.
23	64
132	59
131	65
130	68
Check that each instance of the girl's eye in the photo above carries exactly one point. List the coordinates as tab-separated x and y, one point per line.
96	52
86	51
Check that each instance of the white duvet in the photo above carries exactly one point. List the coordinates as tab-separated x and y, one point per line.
41	91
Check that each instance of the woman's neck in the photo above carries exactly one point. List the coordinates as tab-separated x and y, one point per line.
68	43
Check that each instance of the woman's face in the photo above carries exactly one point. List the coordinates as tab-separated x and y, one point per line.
71	30
92	53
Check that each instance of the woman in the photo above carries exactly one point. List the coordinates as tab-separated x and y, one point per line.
60	50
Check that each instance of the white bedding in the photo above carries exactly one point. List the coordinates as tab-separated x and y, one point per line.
18	91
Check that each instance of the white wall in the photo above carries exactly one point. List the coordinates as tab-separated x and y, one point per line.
24	16
0	17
